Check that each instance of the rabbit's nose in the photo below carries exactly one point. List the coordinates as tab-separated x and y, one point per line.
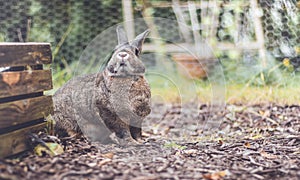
123	55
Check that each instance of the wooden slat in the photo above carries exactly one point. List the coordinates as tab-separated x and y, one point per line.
24	82
20	54
128	18
16	141
209	4
18	112
185	47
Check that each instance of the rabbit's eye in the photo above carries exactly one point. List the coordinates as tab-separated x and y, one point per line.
137	52
111	68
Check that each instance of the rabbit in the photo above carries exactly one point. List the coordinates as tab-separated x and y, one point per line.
114	101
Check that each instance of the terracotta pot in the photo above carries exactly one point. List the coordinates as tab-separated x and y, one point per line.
189	66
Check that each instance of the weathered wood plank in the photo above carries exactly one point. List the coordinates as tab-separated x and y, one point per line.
18	112
16	141
24	82
20	54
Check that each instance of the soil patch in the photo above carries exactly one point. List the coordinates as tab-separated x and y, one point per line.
188	141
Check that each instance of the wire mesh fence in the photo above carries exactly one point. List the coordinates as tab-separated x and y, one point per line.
70	24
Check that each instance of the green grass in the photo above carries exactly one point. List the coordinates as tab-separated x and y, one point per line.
264	94
286	93
235	93
171	87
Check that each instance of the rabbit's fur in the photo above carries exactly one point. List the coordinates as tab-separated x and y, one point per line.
113	101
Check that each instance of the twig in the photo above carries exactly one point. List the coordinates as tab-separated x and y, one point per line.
87	172
256	163
258	176
28	29
264	117
20	35
62	40
67	67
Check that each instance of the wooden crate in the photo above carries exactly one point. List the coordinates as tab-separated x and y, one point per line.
23	105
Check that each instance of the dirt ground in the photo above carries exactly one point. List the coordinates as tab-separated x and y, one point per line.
182	142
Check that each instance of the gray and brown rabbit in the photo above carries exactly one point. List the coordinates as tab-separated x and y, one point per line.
115	100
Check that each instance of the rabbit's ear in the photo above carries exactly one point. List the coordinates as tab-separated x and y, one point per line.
139	40
122	37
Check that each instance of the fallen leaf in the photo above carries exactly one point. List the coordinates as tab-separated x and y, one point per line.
268	155
220	142
145	134
52	150
247	145
93	164
103	162
257	136
215	176
190	151
109	155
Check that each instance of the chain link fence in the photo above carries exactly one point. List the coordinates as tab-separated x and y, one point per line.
69	25
281	27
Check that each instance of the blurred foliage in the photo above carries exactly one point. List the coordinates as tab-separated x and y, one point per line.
48	21
248	70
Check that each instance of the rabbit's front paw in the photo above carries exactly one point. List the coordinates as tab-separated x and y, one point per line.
128	142
123	139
